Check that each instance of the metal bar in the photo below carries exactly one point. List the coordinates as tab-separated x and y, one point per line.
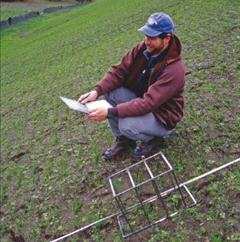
156	187
148	169
131	178
138	195
167	162
112	187
210	172
159	196
179	189
85	227
120	205
190	194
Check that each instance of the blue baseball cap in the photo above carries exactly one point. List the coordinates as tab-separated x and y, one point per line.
156	24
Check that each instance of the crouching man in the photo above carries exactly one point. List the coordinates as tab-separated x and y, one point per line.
145	90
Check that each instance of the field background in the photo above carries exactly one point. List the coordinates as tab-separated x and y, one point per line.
11	9
53	178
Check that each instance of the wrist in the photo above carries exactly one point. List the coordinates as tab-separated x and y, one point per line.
94	94
109	114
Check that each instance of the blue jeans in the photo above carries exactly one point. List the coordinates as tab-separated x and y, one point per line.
142	128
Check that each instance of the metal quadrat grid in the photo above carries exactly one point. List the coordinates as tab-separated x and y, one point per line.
147	193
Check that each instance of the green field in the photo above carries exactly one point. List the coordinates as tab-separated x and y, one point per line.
53	178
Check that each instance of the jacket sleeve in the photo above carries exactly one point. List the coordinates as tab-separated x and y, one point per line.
115	77
167	86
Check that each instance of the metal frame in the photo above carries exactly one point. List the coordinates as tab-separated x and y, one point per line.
151	199
128	227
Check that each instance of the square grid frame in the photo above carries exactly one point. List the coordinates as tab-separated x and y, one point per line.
148	193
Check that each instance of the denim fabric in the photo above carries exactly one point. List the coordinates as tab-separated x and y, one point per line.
142	128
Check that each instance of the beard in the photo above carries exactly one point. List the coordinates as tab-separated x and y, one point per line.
152	49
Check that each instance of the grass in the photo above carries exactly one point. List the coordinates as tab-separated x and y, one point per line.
53	177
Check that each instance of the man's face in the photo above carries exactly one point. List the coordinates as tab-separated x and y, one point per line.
155	45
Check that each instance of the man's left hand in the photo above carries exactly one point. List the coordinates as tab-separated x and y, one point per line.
98	114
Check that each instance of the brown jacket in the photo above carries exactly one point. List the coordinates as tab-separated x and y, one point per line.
164	96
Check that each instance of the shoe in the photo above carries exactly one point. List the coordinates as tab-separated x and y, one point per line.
144	148
120	143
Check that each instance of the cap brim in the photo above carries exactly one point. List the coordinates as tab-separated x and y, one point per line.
149	31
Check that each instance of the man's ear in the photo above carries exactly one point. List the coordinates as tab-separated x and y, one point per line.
168	37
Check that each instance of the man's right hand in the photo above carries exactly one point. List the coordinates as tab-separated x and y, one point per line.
88	97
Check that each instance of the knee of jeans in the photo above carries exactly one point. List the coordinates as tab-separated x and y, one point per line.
135	134
128	131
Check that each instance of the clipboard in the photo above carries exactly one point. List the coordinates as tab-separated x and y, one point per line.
84	108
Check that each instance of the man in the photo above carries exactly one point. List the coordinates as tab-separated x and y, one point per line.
145	90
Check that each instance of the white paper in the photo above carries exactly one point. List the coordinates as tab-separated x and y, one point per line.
98	104
75	105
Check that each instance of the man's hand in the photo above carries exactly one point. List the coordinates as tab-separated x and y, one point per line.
98	114
88	97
